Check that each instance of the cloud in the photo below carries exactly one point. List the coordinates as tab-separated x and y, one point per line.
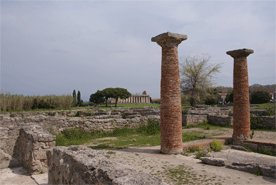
55	47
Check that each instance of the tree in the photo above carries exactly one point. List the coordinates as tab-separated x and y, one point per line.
79	98
97	98
212	97
196	76
107	93
115	93
74	98
229	97
258	97
120	93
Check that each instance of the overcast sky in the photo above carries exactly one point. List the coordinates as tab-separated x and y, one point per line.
54	47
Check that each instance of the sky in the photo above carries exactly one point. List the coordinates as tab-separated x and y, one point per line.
54	47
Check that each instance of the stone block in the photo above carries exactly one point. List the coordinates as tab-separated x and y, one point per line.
82	165
213	161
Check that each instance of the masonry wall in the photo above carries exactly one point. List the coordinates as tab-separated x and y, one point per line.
220	120
106	120
25	145
82	165
10	155
189	119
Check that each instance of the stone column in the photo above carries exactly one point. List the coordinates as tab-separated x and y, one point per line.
170	113
241	109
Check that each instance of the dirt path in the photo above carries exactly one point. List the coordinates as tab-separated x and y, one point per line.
179	169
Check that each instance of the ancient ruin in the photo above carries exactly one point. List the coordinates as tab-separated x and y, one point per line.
241	109
144	98
171	116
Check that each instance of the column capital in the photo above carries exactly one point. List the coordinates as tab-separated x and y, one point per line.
239	53
169	39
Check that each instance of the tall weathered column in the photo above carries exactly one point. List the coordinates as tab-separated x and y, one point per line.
241	109
170	113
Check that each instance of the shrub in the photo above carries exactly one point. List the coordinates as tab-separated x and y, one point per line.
216	145
185	111
270	112
211	100
258	97
152	128
191	150
256	122
201	154
200	148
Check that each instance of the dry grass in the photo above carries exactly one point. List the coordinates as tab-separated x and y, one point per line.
9	102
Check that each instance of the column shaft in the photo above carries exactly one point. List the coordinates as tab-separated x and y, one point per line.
241	109
170	112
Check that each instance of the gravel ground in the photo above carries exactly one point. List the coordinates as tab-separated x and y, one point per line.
179	169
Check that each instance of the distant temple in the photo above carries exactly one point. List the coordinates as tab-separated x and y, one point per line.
144	98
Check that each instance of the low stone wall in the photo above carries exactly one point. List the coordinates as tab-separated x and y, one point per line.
258	112
25	145
34	142
10	155
211	110
82	165
269	121
105	121
220	120
190	119
260	145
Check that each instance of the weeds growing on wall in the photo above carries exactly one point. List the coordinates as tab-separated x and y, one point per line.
256	122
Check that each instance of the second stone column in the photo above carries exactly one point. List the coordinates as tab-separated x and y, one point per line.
170	113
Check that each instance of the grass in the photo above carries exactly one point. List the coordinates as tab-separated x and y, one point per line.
14	103
182	174
143	136
264	106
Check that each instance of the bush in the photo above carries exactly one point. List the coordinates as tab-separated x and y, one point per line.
211	100
258	97
256	122
270	112
185	111
152	128
216	145
191	150
201	154
229	97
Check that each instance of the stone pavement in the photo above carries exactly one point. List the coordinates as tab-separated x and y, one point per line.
20	176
